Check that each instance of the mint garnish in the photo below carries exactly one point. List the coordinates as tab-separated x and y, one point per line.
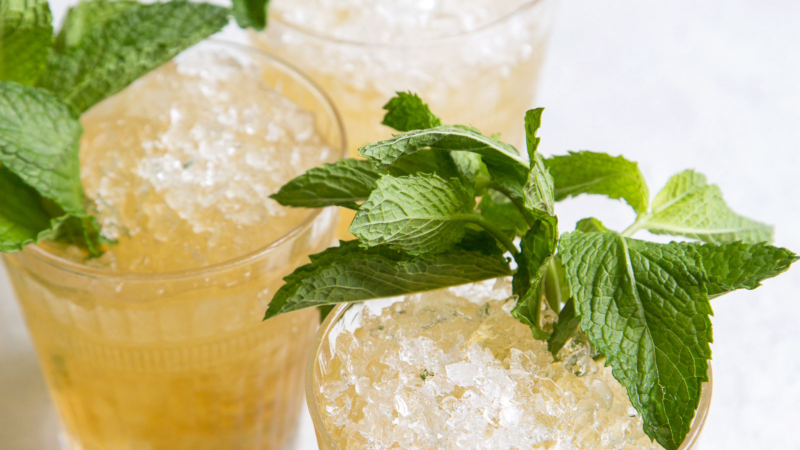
598	173
122	49
39	143
350	273
688	206
643	306
26	35
23	218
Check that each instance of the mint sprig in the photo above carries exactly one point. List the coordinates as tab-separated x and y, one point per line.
643	306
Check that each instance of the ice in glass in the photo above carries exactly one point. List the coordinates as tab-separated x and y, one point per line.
475	62
452	369
159	343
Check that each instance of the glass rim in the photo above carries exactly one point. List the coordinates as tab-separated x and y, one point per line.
62	263
528	4
322	432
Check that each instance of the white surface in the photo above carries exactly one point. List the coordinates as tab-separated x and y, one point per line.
712	85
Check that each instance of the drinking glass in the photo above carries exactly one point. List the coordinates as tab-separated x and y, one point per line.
486	78
180	360
348	317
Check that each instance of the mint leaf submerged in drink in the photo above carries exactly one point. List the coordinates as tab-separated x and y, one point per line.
643	306
102	47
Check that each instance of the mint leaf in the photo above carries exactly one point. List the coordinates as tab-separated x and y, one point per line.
351	273
644	306
498	209
343	183
23	218
126	47
688	206
598	173
406	111
39	143
556	290
539	189
251	13
741	266
87	16
564	329
590	225
81	230
26	35
420	213
501	159
536	249
533	120
425	161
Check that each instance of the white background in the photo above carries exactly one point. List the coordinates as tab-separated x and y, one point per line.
712	85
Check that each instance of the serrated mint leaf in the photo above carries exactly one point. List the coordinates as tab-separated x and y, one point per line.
81	230
644	306
26	36
598	173
688	206
564	329
87	16
251	13
39	143
533	120
351	273
536	249
406	111
590	225
343	183
741	266
500	158
481	242
421	213
539	188
126	47
23	218
425	161
471	170
498	209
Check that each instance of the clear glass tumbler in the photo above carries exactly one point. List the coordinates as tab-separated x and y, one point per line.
348	317
180	360
486	77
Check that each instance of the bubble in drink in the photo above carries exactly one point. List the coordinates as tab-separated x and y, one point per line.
452	369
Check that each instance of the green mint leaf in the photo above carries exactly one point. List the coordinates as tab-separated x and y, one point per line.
564	329
536	249
539	188
351	273
741	266
126	47
87	16
81	230
406	111
425	161
644	306
324	310
500	158
498	209
481	242
39	143
343	183
598	173
688	206
23	218
471	170
590	225
251	13
421	213
26	36
533	120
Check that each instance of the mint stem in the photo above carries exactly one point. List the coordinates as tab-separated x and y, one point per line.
496	232
641	221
